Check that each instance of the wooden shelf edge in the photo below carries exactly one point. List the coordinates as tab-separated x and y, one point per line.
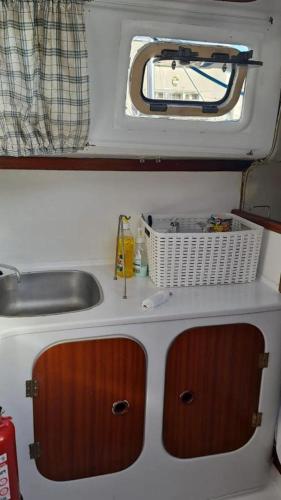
272	225
122	164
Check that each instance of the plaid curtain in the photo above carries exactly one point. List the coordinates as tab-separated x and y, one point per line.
44	84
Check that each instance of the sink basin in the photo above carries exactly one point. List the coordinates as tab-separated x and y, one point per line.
48	292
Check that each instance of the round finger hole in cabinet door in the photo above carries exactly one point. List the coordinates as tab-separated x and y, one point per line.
120	407
187	397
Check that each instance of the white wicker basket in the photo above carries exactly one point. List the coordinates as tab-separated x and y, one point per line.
191	257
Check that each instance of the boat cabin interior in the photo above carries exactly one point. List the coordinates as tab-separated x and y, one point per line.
140	241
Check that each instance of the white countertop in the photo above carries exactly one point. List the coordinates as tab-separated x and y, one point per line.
185	303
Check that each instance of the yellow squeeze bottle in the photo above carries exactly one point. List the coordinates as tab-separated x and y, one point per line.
128	250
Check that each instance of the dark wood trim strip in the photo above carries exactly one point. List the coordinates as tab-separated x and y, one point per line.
272	225
238	1
122	164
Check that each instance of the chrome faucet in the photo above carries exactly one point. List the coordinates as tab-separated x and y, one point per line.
12	268
121	229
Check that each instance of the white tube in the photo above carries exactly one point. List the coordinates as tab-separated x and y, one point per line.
155	300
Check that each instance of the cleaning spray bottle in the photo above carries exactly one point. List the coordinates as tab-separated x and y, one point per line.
128	247
140	257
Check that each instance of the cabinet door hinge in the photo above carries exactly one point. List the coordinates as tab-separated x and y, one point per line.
31	388
263	360
34	450
256	420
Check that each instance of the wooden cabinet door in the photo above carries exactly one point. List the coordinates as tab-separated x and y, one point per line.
212	389
89	412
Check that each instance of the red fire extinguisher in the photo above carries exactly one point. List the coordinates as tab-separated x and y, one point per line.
9	477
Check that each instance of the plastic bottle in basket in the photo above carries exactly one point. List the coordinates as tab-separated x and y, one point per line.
140	257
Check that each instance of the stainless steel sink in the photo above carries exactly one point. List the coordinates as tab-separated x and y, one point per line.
49	292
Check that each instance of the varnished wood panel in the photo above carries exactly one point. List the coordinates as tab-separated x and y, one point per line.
219	366
122	164
270	224
73	420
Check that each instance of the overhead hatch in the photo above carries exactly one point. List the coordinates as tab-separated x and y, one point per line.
159	59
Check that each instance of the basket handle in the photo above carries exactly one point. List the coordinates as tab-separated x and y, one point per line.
148	223
149	220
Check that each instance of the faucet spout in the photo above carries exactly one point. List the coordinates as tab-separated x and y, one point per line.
120	231
12	268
